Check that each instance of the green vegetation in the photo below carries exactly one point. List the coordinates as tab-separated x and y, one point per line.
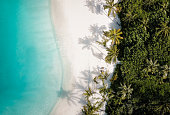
140	84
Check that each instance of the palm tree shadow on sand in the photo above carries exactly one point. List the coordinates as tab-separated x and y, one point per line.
85	79
70	96
96	7
76	95
90	42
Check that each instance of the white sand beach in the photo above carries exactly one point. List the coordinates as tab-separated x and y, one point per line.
78	25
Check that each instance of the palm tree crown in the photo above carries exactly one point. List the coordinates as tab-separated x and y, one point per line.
114	35
111	7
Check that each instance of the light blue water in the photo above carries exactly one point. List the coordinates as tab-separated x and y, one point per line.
30	64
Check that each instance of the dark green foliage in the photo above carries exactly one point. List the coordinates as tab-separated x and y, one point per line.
144	58
141	82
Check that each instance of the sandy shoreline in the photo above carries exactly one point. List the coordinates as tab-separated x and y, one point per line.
78	29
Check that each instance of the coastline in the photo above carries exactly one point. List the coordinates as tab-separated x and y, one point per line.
77	27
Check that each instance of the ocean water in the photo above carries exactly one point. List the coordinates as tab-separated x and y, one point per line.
30	63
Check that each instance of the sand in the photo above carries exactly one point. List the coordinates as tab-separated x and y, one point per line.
78	25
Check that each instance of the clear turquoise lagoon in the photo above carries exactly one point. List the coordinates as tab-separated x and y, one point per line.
30	63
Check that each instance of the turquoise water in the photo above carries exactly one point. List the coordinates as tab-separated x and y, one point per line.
30	64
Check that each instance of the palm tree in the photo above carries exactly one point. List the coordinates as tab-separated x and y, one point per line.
88	93
165	71
149	2
114	35
95	80
89	109
125	92
110	93
103	74
129	16
145	23
151	66
114	78
164	29
111	7
164	6
92	108
103	89
112	54
103	42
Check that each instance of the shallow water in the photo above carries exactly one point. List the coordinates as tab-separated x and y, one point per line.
30	64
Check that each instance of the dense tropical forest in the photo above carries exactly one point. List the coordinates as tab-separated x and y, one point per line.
140	84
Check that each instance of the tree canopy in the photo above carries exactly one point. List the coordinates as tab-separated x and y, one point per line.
140	84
